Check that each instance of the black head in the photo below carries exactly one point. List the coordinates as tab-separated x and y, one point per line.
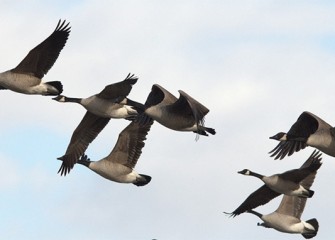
59	98
278	136
244	172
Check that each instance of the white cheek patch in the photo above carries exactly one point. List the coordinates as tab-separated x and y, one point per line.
283	138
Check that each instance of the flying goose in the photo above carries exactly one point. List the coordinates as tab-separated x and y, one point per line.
308	130
182	114
111	102
118	165
296	182
287	218
27	76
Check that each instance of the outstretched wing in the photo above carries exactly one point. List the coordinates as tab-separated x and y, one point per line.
259	197
305	125
41	58
312	164
199	111
287	148
128	147
119	90
305	175
292	206
159	95
87	130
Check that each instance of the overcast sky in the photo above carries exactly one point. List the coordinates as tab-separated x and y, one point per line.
257	65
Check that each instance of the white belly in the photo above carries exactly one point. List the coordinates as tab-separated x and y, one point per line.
107	108
114	171
21	83
284	223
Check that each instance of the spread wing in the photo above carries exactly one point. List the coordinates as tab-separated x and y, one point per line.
306	173
159	95
305	125
128	147
312	164
198	110
40	59
87	130
119	90
292	206
260	197
287	148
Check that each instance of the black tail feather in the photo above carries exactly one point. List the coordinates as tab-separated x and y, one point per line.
144	180
210	130
204	130
315	225
56	84
311	193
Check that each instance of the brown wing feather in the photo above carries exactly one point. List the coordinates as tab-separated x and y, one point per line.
159	95
119	90
128	147
306	173
259	197
41	58
292	206
87	130
286	148
199	110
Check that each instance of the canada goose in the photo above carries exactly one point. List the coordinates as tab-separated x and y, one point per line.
183	114
111	102
26	77
295	182
118	165
308	130
287	218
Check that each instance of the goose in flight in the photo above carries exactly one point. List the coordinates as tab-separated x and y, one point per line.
111	102
287	218
182	114
27	76
119	165
296	182
308	130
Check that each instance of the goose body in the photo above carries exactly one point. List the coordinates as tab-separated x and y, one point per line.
111	102
182	114
119	165
101	107
27	77
285	223
287	218
296	182
308	130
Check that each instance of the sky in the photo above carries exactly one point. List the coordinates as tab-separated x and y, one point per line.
257	65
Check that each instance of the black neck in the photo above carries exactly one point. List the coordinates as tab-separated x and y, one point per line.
255	213
70	99
256	175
